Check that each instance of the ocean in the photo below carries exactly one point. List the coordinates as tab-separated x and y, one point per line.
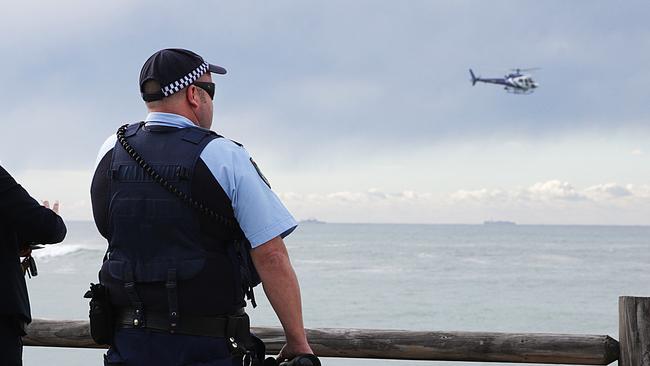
496	278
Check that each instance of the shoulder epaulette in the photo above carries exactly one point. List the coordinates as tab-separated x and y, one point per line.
237	143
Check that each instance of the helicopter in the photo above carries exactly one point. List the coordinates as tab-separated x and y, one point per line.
515	82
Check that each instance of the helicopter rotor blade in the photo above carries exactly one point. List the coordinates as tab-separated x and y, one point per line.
527	69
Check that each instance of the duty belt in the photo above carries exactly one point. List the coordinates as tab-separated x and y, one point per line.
235	326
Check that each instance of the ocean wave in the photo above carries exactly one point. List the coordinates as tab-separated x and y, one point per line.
374	270
58	250
309	262
475	260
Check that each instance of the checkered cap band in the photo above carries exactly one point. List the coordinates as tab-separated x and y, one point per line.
185	80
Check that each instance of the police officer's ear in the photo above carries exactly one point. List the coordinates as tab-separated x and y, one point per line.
193	96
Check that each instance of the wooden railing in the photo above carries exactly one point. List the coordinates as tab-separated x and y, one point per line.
633	350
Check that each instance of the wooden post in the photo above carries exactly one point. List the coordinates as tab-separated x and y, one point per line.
634	330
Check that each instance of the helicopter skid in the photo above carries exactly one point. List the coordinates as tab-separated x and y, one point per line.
518	91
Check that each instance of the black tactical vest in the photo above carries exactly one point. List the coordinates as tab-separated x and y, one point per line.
157	251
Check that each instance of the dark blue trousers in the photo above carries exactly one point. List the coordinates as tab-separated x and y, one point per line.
11	345
143	347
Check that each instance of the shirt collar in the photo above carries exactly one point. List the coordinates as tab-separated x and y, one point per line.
168	119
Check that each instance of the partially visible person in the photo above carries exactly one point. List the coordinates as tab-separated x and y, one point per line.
23	221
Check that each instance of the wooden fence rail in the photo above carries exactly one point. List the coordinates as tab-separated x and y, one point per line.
391	344
634	348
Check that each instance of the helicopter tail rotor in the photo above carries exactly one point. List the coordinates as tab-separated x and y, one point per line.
474	78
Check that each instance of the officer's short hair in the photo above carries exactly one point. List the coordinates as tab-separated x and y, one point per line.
151	86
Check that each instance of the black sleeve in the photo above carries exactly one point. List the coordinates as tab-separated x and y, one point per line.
99	191
25	216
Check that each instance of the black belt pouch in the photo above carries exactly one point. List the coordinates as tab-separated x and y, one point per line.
102	320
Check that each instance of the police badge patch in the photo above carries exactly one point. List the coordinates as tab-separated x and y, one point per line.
259	172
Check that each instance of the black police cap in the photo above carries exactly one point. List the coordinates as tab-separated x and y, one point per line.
174	69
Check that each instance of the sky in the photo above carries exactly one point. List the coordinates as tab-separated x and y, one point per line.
356	111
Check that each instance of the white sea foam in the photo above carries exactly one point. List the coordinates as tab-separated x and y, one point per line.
475	260
318	262
554	259
57	250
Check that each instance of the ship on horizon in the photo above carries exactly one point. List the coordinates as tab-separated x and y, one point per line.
311	221
499	223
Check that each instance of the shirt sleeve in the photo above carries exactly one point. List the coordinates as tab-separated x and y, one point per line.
99	188
108	145
259	211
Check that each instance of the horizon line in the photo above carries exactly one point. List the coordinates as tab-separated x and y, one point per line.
320	222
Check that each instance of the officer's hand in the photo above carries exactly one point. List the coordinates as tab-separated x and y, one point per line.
290	351
25	250
55	207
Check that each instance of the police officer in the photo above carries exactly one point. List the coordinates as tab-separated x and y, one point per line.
192	225
22	221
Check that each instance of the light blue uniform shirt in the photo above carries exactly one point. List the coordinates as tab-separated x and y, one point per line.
259	211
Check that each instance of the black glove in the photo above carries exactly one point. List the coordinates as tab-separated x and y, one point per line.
302	360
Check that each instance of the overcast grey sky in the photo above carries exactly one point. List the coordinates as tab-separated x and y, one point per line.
357	111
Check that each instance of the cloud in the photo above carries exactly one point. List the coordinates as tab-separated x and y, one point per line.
552	190
319	88
539	193
372	195
333	92
372	205
641	191
58	133
608	191
373	72
555	191
480	195
552	201
39	29
549	202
